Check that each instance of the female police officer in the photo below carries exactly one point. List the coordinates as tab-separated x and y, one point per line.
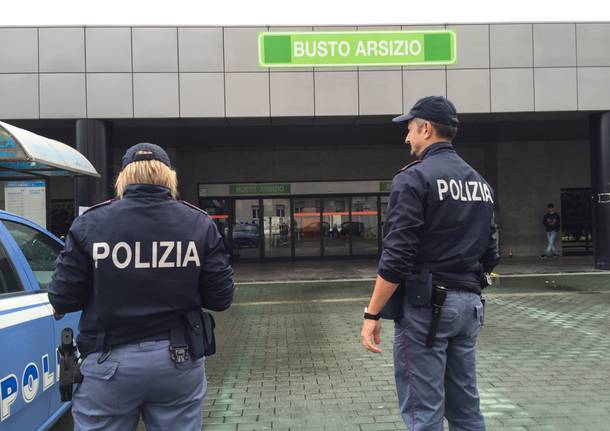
135	265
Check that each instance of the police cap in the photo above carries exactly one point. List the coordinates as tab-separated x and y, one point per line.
437	109
146	151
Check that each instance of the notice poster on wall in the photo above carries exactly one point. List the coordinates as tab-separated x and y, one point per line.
27	199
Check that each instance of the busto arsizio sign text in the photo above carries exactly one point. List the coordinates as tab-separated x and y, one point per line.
356	48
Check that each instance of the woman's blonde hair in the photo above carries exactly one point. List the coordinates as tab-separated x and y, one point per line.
146	172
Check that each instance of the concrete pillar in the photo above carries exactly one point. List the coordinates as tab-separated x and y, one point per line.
93	141
600	188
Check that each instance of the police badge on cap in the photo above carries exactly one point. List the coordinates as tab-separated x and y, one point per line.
145	151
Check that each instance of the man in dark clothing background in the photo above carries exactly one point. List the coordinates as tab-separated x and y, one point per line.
552	224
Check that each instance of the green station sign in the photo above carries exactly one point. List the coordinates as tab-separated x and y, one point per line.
385	186
259	189
356	48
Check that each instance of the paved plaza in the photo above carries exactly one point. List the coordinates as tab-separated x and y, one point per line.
289	358
366	268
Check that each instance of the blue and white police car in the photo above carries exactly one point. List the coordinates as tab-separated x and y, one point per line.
29	333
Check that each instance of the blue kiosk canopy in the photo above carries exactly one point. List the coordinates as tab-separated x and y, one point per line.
24	154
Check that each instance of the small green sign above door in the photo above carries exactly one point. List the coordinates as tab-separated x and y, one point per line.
259	189
385	186
356	48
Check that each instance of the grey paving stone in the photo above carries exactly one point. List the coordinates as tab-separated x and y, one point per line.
289	358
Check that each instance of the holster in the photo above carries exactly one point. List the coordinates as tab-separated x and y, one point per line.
417	288
485	280
69	365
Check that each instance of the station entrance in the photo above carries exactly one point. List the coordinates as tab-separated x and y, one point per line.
312	189
300	226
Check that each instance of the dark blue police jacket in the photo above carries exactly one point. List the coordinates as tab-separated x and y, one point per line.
441	216
135	265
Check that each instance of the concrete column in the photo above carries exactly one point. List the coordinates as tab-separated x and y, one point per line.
93	141
600	188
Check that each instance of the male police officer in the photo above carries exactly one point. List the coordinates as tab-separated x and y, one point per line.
440	232
135	266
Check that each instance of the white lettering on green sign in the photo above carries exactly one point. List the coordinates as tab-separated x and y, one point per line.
385	186
359	48
259	189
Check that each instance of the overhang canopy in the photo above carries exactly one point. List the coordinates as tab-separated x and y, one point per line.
24	154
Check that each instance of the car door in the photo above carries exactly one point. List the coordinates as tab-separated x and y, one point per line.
40	249
27	359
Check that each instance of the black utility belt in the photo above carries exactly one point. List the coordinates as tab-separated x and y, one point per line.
156	337
193	337
418	290
160	336
459	288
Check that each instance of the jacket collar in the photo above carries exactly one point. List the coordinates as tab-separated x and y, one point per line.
436	148
147	191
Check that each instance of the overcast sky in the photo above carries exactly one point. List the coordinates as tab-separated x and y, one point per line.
278	12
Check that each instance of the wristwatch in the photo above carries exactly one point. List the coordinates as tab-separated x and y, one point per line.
371	316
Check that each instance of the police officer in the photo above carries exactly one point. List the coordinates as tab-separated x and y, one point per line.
135	265
440	232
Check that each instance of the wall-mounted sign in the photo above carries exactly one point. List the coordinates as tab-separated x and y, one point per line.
8	148
385	186
27	199
356	48
259	189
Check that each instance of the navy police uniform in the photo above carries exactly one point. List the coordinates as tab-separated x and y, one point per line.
439	219
440	214
135	266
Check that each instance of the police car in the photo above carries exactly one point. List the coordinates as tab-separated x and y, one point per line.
29	333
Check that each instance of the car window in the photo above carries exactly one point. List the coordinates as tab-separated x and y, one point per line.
40	250
9	283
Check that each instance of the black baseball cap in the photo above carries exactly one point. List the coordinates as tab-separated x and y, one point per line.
437	109
147	152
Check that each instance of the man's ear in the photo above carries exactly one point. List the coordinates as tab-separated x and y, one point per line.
429	129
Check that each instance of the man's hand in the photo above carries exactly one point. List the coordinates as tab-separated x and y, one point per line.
371	328
381	293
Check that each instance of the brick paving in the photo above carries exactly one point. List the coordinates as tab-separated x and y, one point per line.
289	359
365	268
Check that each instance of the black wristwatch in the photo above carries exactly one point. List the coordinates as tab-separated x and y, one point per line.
371	316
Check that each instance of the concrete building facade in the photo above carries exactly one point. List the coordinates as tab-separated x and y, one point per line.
531	98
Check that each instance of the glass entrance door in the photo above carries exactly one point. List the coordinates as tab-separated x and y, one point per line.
276	228
383	206
576	222
300	226
364	226
247	230
335	227
307	229
219	210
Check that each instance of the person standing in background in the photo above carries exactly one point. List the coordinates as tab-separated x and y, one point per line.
552	224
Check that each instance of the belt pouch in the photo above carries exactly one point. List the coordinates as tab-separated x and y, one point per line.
418	288
392	310
200	333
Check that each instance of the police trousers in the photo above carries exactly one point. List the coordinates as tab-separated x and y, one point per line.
438	382
139	379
